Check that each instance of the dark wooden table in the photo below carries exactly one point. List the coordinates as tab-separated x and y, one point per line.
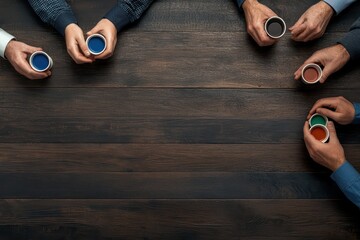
190	131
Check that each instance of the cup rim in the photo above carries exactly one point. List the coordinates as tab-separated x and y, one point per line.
37	53
284	25
311	65
318	114
323	127
92	36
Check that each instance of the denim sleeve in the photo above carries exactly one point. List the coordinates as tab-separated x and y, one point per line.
339	5
56	13
127	11
351	41
348	180
357	113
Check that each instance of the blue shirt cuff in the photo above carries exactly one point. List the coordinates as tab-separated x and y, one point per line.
63	21
240	2
339	5
118	16
357	113
345	175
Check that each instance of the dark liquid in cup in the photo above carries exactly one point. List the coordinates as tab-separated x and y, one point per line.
275	27
311	74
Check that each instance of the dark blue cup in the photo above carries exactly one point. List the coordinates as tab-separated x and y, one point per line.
40	61
96	44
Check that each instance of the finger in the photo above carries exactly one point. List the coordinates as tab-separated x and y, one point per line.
332	131
297	73
30	49
83	46
24	69
303	35
110	48
329	113
299	30
324	103
327	71
265	40
77	56
297	24
94	30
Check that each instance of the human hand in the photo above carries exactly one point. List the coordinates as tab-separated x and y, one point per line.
76	46
337	108
331	58
256	15
312	24
330	155
106	28
17	54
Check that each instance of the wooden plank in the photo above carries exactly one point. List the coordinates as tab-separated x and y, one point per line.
194	131
178	219
163	103
182	60
209	185
173	15
87	158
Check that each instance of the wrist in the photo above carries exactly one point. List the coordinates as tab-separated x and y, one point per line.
343	52
337	163
327	8
248	4
9	48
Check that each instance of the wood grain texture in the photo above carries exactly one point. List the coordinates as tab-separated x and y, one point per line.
190	131
178	219
183	60
218	185
90	158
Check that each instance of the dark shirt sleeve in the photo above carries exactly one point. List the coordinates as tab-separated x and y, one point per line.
351	41
127	11
240	2
56	13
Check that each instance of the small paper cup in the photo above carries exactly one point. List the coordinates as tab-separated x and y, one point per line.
40	61
318	119
96	44
310	77
275	27
318	131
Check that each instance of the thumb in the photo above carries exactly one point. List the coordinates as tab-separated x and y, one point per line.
327	71
332	131
95	29
83	47
327	112
30	49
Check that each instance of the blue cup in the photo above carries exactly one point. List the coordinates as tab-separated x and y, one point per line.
96	44
40	61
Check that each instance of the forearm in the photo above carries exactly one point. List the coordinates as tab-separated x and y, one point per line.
348	180
351	41
56	13
127	11
5	38
339	5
